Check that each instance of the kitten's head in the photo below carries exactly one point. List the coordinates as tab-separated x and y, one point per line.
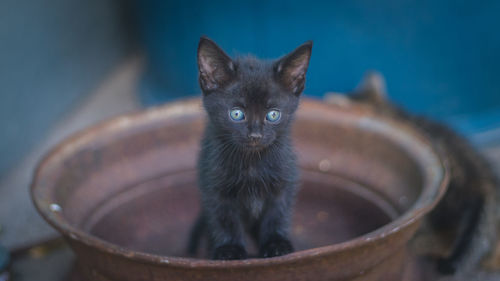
251	102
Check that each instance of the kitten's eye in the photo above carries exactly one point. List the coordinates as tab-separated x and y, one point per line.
236	114
273	116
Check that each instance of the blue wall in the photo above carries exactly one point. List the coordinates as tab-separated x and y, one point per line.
52	53
440	58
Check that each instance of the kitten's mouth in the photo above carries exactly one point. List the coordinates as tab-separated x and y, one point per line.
256	145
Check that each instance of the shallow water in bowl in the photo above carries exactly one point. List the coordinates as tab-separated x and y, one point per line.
156	216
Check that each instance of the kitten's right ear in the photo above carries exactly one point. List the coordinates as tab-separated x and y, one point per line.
216	69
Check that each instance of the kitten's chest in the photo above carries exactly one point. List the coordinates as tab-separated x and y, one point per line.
256	178
255	172
253	206
259	173
242	174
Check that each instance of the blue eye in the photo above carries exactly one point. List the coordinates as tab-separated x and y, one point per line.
273	116
237	114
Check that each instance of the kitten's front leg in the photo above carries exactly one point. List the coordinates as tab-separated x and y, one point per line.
226	232
273	228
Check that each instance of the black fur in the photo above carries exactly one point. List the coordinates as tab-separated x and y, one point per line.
247	171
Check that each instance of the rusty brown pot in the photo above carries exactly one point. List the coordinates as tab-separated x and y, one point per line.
124	195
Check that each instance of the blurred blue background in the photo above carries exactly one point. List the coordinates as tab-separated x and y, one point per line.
440	58
52	54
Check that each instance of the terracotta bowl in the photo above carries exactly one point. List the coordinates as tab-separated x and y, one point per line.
123	194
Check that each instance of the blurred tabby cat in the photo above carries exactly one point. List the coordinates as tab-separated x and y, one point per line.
467	210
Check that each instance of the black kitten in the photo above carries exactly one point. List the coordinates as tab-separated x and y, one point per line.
247	171
467	209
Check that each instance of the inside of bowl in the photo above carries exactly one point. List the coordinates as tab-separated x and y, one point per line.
136	186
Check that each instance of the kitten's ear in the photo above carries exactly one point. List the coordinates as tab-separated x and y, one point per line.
291	70
216	68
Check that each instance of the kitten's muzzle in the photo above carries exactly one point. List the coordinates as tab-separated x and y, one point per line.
254	139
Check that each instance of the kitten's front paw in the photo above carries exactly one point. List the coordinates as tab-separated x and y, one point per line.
230	252
277	246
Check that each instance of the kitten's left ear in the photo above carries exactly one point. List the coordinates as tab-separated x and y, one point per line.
291	70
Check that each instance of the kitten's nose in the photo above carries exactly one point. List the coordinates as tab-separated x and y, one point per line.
255	137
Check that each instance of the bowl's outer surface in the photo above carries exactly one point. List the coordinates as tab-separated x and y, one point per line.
89	185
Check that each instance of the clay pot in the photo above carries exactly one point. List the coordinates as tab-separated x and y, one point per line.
124	195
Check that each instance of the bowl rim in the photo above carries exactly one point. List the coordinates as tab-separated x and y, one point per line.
193	105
